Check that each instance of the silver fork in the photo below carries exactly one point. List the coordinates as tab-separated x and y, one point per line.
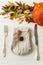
36	41
5	34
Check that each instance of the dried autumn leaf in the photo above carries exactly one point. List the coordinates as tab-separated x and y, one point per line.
5	7
25	14
3	13
11	16
31	8
10	6
19	3
20	20
31	19
27	7
27	19
23	6
16	15
10	3
34	3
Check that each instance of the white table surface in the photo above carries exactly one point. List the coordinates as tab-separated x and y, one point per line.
10	58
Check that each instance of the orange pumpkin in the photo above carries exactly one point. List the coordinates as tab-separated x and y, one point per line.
37	14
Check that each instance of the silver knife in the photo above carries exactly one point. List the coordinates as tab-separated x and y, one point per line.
36	41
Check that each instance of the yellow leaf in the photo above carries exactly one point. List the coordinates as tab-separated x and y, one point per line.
16	15
10	3
25	14
20	20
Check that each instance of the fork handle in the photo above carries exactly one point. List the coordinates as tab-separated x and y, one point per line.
4	49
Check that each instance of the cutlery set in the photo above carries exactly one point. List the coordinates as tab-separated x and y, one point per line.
19	38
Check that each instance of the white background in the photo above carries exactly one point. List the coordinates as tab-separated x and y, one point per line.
12	59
